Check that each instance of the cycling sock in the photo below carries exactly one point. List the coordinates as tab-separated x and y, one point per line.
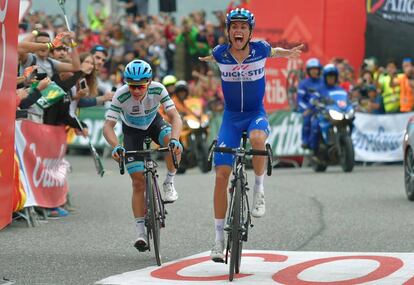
258	183
140	225
219	229
170	177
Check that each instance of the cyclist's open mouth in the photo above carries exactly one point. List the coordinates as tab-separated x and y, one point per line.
238	38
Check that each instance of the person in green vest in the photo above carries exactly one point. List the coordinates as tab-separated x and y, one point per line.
390	92
97	14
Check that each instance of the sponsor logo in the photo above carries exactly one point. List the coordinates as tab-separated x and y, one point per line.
243	73
135	110
240	67
393	10
49	172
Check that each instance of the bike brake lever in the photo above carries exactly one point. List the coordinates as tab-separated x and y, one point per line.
121	161
174	157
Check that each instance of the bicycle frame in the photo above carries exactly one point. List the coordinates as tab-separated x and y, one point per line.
154	205
239	217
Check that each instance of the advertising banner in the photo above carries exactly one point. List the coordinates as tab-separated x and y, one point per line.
9	12
320	25
379	137
388	25
376	138
41	150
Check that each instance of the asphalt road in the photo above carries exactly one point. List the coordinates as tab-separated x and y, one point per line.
362	211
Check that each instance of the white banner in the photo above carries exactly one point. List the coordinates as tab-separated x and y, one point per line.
378	138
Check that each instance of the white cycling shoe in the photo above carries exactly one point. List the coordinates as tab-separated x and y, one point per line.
170	194
217	252
141	243
259	207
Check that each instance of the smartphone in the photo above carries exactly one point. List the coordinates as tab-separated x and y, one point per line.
113	89
41	76
82	84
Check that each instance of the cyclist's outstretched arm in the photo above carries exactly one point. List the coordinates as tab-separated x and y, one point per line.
288	53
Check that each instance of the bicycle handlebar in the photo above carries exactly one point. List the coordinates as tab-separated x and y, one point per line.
144	152
268	152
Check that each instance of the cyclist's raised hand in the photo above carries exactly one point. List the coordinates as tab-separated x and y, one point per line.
175	146
295	52
116	151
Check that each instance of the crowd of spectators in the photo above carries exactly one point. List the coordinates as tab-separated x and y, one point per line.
378	89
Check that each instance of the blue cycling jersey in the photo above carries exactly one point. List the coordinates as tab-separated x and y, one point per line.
243	83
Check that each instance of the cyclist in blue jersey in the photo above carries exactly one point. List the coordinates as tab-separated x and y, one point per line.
241	64
137	103
306	88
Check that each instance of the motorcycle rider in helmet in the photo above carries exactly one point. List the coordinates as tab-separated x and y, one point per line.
329	87
307	86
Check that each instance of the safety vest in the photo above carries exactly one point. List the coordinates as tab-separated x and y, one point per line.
97	23
406	95
390	95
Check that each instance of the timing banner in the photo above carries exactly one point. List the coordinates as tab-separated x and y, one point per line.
378	138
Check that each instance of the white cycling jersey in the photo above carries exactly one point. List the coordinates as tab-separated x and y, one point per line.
135	113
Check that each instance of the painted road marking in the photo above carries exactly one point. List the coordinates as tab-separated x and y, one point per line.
281	267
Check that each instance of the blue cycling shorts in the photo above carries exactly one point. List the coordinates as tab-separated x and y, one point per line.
232	127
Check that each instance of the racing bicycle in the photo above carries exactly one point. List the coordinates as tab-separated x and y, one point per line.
239	218
155	210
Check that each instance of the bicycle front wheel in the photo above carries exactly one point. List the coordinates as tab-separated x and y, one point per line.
153	219
236	246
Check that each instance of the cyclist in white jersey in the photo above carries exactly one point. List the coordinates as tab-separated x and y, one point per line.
241	64
137	103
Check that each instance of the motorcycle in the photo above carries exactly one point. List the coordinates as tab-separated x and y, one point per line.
335	115
194	137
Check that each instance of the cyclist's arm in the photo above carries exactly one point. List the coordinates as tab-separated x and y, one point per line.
288	53
176	123
109	133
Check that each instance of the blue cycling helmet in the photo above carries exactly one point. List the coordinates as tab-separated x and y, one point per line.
242	15
313	63
137	70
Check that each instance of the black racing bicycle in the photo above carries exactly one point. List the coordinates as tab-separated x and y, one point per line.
239	218
155	210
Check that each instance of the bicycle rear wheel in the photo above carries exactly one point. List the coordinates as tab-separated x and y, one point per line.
153	220
236	246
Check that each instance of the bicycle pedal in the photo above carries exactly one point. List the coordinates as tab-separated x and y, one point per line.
227	228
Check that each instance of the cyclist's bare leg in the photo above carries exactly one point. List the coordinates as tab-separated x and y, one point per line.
170	194
220	191
138	189
257	140
220	209
138	208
